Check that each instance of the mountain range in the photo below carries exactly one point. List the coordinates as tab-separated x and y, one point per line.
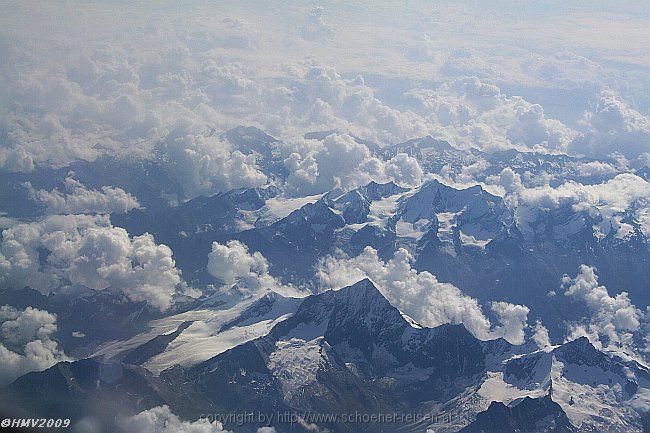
277	341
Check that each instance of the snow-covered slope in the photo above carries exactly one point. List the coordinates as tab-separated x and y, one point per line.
596	390
202	333
350	350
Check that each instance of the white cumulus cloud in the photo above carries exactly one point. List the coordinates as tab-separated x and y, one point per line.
421	295
540	335
207	164
25	342
87	250
76	199
512	319
232	264
160	419
607	199
613	127
613	318
339	161
471	113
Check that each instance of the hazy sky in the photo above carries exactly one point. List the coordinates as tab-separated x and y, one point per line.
119	73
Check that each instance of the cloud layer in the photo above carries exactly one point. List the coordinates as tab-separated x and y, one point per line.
421	295
613	127
160	419
232	264
25	342
81	93
87	250
339	161
614	319
77	199
607	200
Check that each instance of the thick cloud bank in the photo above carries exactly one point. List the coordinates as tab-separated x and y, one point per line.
160	419
205	164
232	264
471	113
613	127
87	250
613	320
607	200
25	342
77	199
80	93
340	161
421	295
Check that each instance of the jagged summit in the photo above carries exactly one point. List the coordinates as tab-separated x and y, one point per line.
365	287
356	205
534	415
580	346
472	211
417	146
375	191
644	172
248	135
345	312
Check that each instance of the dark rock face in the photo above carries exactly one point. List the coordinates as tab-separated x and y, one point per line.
293	244
190	228
528	415
358	348
344	351
355	205
356	353
576	356
75	389
379	238
154	346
